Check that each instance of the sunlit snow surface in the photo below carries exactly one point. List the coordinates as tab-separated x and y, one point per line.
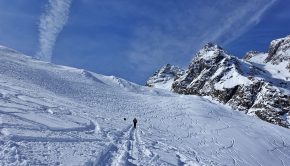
55	115
278	71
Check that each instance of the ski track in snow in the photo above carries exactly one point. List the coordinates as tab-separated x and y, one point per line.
127	149
56	115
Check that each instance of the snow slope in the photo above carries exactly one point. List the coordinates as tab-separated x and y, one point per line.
57	115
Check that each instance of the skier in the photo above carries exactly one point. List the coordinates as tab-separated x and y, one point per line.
135	122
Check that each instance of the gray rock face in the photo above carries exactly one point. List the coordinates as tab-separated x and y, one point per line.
251	85
207	68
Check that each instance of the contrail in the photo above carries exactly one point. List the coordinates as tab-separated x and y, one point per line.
52	21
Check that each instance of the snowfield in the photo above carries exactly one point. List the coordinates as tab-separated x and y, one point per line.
57	115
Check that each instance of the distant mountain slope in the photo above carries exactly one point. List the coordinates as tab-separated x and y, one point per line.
258	85
58	115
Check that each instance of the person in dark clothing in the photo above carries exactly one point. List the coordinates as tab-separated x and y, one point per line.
135	122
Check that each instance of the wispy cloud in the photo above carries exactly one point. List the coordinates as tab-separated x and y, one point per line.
239	21
51	24
173	38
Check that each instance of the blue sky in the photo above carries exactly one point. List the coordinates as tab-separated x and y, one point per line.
133	38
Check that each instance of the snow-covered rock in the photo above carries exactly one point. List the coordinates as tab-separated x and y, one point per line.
258	85
164	77
250	55
279	51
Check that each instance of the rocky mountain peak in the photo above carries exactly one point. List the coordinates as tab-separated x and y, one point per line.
255	85
168	69
210	51
279	50
250	55
164	77
210	46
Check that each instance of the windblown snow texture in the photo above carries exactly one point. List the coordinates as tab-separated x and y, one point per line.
57	115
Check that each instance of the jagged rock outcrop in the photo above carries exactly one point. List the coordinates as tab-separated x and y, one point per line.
164	77
279	51
250	54
256	85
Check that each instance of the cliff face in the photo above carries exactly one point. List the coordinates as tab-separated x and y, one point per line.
258	85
